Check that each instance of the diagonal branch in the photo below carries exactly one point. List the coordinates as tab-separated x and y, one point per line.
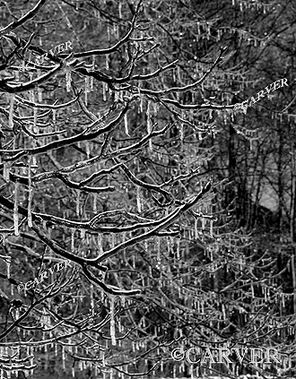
32	13
83	136
109	289
167	221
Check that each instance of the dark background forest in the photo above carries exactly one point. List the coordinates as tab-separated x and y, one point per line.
143	207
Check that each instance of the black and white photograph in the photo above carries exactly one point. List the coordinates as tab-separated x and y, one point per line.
147	189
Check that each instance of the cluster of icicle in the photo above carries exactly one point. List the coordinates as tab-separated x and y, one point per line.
253	5
16	363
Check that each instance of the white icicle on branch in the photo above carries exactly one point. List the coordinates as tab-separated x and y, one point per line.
112	321
149	124
30	193
10	122
15	210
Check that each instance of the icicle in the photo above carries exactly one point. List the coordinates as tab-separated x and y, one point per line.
86	89
264	8
87	149
82	234
126	124
158	253
115	31
77	204
10	122
35	130
22	68
208	32
91	83
120	10
141	100
211	228
134	261
107	61
63	357
181	132
8	263
54	114
39	94
196	228
223	312
6	171
100	244
198	29
68	79
149	125
30	193
112	322
218	39
104	91
202	307
92	302
139	204
94	202
203	223
178	249
15	209
72	240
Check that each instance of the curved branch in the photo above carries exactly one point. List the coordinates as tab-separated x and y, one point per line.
4	87
167	221
66	254
148	186
67	141
32	13
109	289
110	50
